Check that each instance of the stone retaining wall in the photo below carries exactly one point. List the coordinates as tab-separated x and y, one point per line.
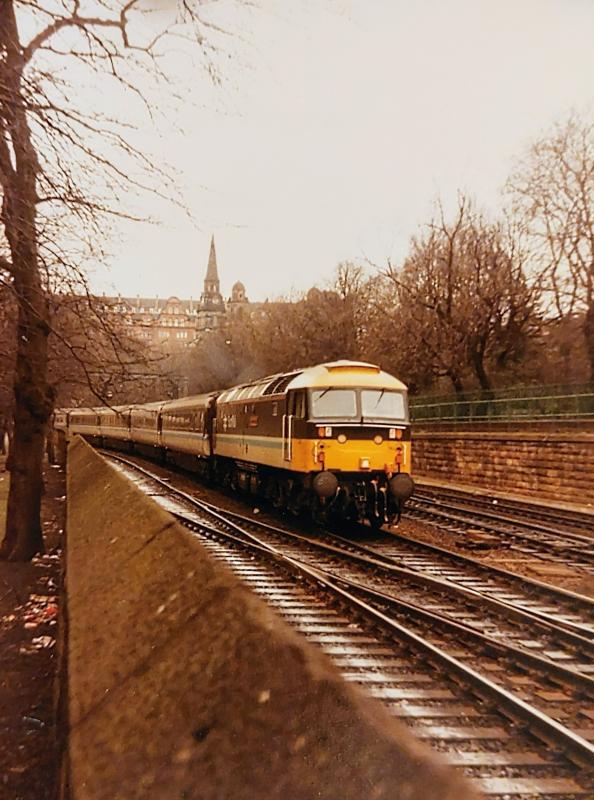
182	684
558	466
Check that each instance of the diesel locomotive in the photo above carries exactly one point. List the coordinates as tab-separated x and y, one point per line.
333	439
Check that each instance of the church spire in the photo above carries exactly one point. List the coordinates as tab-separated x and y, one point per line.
212	275
211	298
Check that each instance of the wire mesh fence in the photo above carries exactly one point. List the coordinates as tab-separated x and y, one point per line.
527	404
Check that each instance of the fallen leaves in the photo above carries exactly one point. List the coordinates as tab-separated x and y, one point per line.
40	609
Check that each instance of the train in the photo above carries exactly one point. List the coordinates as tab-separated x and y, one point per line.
332	440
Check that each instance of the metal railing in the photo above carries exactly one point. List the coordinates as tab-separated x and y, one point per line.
519	404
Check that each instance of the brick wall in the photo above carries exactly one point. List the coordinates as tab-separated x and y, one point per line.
548	465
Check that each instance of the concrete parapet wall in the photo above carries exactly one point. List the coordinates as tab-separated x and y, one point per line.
558	466
182	684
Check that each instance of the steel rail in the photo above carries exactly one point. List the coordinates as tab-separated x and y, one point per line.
358	649
371	556
567	675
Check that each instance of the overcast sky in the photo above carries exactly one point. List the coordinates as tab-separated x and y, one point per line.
337	125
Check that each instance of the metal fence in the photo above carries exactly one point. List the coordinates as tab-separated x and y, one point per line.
519	404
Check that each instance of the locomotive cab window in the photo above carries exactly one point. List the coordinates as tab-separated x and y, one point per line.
380	404
333	404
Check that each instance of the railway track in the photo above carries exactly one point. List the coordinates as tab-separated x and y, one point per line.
499	587
541	600
535	539
577	522
530	695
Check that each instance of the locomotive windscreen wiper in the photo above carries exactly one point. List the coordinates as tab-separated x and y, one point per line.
382	393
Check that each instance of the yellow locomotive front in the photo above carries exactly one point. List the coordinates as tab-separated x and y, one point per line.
334	438
349	431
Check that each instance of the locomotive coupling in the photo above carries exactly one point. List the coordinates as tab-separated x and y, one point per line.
325	484
401	486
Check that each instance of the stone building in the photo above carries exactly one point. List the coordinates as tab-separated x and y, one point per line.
173	322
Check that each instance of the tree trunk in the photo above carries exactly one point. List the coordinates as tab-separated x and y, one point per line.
456	382
23	538
589	337
33	397
478	365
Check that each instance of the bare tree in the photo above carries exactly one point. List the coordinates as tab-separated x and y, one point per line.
427	295
325	324
7	352
96	358
553	192
51	152
462	301
498	307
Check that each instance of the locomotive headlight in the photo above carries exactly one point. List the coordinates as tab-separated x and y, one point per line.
324	431
395	433
378	439
341	438
364	463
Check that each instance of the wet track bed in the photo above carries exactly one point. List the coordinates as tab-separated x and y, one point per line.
574	521
457	673
534	532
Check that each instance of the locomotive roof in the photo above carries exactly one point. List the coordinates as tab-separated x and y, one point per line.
346	373
334	373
